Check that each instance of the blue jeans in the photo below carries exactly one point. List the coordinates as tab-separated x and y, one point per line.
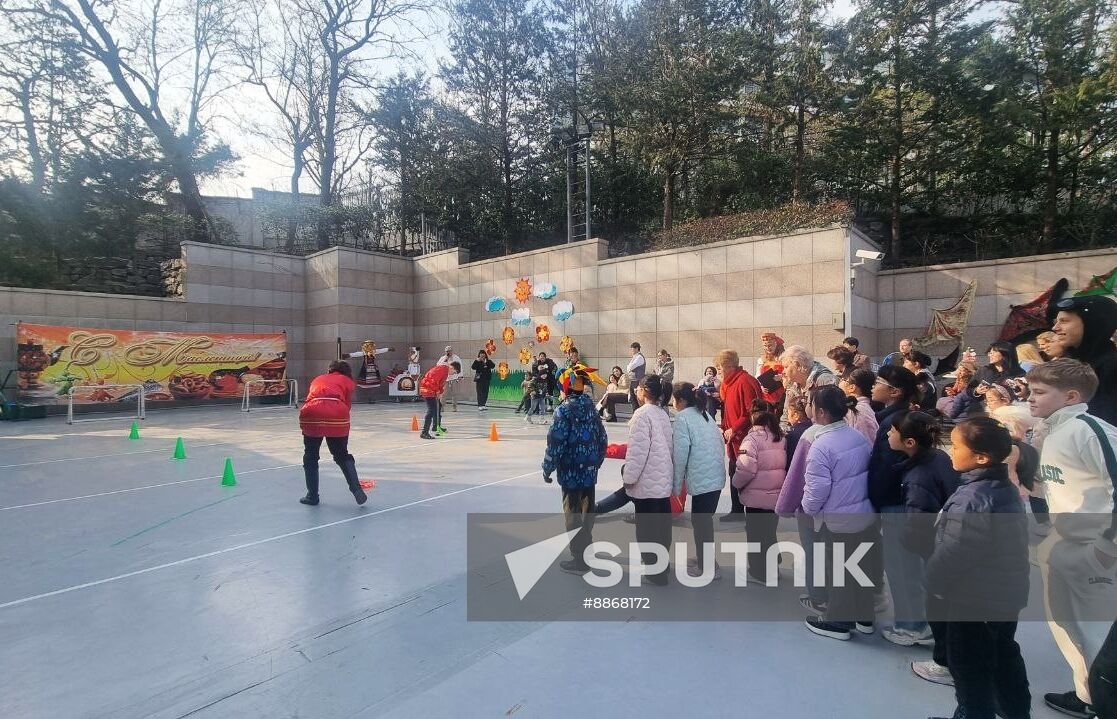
807	538
904	569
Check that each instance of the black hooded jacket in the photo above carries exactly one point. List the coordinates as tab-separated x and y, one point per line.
1099	322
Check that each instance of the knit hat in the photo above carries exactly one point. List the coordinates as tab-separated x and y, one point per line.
1001	391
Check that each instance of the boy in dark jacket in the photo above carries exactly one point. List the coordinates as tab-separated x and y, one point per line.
576	450
979	572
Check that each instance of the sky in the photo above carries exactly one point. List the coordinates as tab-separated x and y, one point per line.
262	164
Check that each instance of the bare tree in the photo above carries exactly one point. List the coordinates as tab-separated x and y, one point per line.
281	55
49	101
167	60
351	35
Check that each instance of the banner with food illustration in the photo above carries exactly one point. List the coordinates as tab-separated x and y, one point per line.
172	366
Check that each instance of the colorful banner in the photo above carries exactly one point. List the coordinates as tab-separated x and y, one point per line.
172	366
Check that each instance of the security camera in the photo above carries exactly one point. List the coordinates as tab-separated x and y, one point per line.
870	255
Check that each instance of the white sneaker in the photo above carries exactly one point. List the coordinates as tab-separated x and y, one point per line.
908	638
482	409
932	672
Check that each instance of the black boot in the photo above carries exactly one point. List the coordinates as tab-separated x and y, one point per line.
349	469
311	472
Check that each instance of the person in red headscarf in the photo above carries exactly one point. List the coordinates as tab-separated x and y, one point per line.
769	362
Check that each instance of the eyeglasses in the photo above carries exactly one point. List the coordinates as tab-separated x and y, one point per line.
882	382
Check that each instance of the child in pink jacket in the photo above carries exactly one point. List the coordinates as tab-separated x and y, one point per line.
761	469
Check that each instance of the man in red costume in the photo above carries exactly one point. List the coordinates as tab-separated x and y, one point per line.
769	362
738	390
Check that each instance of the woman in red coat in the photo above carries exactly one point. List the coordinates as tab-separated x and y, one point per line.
325	414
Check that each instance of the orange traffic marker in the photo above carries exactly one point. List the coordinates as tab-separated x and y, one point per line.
414	423
493	436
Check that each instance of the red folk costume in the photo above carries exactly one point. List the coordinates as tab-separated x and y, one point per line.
325	413
763	364
434	381
738	390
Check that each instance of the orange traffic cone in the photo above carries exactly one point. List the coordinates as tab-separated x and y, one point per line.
493	436
414	423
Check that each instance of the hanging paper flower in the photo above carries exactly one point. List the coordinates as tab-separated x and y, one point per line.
545	290
542	333
490	347
563	311
525	355
523	290
502	370
521	316
509	335
565	344
496	304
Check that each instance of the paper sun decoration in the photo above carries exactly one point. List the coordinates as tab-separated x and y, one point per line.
565	344
545	290
502	370
490	347
542	333
563	311
508	335
525	355
521	316
523	290
495	304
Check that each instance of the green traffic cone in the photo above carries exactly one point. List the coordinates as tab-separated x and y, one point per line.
180	450
135	433
229	479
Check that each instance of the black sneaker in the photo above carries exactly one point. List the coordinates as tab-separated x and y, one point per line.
425	435
574	566
733	517
312	501
824	628
360	496
1068	703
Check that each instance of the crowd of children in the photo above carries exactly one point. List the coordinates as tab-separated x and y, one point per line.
856	456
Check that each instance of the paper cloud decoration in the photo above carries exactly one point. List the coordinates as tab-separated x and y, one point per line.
495	304
521	316
545	290
563	311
